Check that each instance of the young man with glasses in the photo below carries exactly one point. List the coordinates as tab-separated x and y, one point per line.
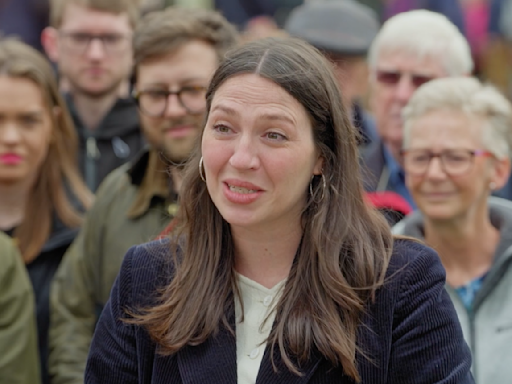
411	49
90	41
176	52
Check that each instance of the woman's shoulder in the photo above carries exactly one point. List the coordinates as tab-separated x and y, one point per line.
13	273
411	316
152	255
411	263
145	269
9	253
408	251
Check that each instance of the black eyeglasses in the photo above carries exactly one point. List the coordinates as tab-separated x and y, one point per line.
79	42
454	162
154	102
393	77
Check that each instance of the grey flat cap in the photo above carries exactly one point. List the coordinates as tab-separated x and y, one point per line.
337	26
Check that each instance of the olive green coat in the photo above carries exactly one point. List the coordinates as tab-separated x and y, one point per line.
19	360
82	284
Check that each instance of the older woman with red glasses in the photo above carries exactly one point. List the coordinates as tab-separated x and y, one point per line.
457	146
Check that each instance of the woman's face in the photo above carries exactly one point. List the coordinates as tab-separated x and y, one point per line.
25	130
439	194
259	154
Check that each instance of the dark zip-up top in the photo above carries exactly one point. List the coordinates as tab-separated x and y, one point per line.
116	140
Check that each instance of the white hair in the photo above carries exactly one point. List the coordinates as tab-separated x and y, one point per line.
421	34
468	95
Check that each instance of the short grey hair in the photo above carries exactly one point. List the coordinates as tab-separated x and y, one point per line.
423	33
469	95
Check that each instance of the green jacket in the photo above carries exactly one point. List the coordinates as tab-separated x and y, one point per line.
132	206
19	360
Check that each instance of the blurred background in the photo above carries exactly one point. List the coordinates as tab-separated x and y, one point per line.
487	24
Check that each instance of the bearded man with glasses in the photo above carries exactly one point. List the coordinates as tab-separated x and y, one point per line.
411	49
456	152
176	51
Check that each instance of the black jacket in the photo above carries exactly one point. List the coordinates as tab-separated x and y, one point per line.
116	141
411	333
41	271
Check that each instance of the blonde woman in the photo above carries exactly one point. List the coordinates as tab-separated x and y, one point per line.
42	195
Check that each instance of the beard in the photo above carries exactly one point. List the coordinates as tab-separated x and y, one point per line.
176	151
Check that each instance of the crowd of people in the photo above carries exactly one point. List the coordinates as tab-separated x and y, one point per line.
255	192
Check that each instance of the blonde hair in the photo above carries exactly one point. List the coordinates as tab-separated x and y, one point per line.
468	95
423	33
130	7
59	172
162	32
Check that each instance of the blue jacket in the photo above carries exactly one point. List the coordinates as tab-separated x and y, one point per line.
411	332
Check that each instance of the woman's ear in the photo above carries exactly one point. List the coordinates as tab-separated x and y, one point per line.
319	165
501	172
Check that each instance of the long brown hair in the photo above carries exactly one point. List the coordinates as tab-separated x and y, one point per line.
345	248
59	171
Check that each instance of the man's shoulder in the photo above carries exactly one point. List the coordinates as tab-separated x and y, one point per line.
115	182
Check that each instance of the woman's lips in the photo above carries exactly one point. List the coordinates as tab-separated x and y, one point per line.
10	158
241	192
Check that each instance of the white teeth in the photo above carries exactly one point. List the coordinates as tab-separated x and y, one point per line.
240	189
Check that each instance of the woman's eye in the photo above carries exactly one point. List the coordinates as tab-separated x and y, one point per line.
29	121
275	136
221	128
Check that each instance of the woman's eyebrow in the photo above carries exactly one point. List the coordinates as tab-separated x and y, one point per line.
266	116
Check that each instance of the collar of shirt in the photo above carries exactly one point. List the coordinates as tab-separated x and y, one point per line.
149	175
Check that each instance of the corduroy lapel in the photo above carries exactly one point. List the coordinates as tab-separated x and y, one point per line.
212	362
267	375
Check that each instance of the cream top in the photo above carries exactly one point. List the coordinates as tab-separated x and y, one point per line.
252	333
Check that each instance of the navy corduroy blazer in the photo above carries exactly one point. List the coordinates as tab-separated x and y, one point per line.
410	334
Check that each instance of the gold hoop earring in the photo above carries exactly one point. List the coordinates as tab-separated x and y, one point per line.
201	172
324	187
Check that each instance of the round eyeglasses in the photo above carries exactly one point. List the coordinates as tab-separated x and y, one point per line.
154	102
454	162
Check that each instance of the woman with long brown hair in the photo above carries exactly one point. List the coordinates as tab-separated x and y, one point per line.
42	195
279	271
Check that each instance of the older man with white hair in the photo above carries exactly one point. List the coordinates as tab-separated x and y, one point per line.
411	49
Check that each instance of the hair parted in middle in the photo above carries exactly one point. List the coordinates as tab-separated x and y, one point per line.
162	32
345	248
59	176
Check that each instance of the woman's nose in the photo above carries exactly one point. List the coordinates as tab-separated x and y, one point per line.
10	133
245	154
